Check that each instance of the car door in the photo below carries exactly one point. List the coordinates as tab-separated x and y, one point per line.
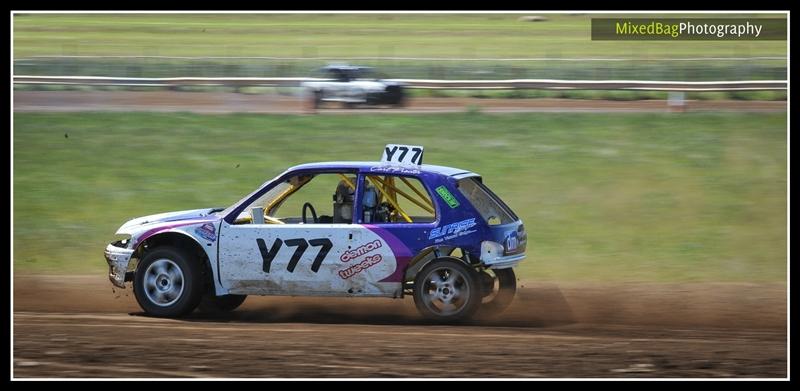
399	209
337	88
281	259
305	259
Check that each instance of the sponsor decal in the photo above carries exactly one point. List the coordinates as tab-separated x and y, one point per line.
447	197
453	230
368	262
516	240
394	170
350	255
207	232
512	241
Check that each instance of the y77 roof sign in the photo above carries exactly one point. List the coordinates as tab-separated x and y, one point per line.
402	154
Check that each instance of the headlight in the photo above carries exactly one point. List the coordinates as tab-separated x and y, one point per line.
122	241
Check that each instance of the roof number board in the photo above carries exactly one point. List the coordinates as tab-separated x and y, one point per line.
402	154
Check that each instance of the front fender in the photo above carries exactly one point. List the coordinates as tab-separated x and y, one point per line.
197	236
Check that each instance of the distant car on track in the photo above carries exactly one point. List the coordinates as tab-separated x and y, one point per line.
352	86
394	227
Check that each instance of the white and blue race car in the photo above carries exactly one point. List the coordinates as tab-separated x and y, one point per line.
391	228
352	86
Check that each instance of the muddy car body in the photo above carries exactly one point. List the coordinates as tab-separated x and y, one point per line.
397	227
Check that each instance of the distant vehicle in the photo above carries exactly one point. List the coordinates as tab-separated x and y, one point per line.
395	227
352	86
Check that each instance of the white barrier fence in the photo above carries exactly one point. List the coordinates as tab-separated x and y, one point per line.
545	84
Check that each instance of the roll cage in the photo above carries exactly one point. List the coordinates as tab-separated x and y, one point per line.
384	183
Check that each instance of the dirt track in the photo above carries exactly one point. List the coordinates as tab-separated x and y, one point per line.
74	326
214	102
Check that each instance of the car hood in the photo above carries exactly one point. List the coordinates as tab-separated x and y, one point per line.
148	222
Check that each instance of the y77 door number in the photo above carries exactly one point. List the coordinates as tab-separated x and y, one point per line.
269	253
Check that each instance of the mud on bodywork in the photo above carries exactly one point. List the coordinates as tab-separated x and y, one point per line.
118	259
198	225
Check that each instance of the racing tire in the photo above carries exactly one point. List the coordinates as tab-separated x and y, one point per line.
316	100
446	290
499	288
400	100
213	304
168	282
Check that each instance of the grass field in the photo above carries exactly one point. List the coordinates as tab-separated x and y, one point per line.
416	46
629	197
341	35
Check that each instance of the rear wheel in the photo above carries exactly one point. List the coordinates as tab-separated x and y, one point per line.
400	98
447	290
168	283
315	100
213	304
499	288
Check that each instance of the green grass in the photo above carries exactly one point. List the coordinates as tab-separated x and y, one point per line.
604	197
303	37
337	35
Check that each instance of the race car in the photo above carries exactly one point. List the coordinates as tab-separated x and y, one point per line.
351	86
388	228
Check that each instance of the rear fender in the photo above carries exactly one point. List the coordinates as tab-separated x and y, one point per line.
427	255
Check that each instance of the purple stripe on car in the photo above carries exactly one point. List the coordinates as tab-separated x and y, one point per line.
401	252
162	228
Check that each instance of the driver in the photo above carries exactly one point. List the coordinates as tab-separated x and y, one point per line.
343	202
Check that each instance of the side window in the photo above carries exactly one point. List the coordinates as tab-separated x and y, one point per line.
488	205
325	197
396	199
329	197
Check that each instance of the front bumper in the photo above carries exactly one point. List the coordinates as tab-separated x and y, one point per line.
118	259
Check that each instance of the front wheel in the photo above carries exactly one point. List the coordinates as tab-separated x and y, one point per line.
447	290
168	283
400	99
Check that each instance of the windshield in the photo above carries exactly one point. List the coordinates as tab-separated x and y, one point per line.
345	74
491	208
260	200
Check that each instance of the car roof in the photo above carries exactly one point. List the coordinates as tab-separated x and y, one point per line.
365	166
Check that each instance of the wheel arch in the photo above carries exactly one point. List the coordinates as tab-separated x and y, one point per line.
430	253
182	241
